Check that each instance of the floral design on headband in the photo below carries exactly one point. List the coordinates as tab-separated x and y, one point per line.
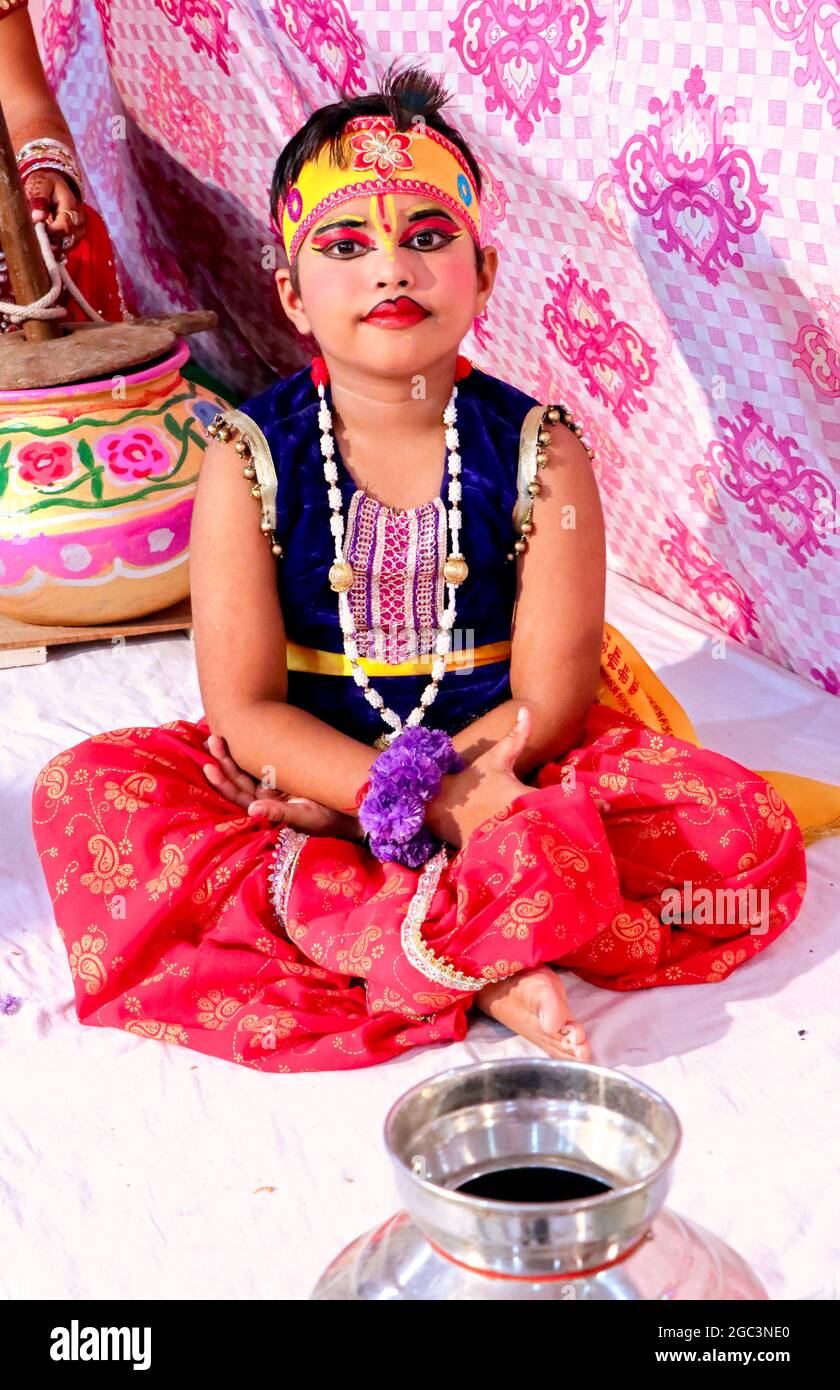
381	150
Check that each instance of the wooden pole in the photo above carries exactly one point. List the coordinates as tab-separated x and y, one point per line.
24	261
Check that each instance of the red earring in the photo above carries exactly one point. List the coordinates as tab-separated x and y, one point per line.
320	372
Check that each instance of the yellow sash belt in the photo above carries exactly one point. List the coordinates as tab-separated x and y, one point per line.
628	685
321	663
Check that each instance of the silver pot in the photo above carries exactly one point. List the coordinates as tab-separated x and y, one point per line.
534	1138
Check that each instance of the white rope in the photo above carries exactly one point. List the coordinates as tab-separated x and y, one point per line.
46	307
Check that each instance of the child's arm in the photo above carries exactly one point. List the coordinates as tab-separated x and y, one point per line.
558	620
240	648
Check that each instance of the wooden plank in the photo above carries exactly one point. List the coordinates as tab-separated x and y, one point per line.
22	656
26	644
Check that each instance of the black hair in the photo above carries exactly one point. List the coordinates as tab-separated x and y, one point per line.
402	95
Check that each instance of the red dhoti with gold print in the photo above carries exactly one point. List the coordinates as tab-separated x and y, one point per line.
186	921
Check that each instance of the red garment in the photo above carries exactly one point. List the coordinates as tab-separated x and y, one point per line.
162	895
91	266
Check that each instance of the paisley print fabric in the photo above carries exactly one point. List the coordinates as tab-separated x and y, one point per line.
187	922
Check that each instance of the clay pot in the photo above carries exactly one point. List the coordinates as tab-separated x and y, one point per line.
97	481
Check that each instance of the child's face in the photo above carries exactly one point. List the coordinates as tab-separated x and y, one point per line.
378	248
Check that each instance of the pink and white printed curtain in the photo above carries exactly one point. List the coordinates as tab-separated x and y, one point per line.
662	181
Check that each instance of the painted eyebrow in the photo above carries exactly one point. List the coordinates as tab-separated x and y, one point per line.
363	221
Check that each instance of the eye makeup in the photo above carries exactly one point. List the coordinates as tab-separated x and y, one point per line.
428	219
383	216
433	222
353	232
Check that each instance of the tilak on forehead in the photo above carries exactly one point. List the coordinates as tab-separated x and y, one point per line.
383	215
381	161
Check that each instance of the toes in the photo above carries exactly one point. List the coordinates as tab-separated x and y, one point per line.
564	1054
572	1041
567	1049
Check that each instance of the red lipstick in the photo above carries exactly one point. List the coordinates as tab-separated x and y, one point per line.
396	313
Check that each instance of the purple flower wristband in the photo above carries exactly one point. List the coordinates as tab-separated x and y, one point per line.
406	775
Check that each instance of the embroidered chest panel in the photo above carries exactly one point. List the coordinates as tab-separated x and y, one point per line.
398	592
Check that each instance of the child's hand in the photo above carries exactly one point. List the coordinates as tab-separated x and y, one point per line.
468	798
299	812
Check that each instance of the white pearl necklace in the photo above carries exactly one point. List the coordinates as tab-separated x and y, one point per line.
342	575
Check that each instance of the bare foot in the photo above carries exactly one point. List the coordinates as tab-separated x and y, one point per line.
534	1004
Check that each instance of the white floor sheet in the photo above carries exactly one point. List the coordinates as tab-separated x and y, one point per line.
133	1169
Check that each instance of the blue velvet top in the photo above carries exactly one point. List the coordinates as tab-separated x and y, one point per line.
490	416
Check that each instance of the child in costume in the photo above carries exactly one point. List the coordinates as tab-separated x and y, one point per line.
380	845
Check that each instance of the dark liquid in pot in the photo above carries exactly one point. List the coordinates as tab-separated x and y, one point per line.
533	1184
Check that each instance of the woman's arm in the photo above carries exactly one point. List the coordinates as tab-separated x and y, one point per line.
29	106
32	113
240	647
558	619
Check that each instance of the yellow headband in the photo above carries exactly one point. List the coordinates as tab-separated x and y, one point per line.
381	160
